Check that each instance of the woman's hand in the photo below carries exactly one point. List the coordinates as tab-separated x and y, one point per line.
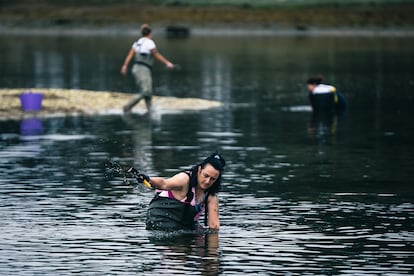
124	69
141	178
169	65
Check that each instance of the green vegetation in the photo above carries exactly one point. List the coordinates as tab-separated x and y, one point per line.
283	3
297	14
211	3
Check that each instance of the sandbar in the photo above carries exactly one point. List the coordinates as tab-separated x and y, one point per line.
75	102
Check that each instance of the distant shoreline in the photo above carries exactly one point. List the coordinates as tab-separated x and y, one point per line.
48	18
209	31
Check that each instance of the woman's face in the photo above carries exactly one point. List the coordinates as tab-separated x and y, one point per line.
311	87
207	176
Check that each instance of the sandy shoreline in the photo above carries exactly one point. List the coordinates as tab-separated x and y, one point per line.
64	102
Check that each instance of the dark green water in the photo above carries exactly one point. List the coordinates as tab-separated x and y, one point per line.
331	196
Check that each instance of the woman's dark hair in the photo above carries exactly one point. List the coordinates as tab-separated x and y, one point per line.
215	160
315	80
145	30
218	162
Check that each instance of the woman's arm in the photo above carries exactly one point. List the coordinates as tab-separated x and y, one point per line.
128	58
213	212
161	58
175	183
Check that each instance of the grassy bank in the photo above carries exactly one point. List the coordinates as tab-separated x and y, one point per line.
263	13
284	3
206	3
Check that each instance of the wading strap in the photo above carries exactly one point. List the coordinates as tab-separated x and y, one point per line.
206	210
190	195
191	183
144	64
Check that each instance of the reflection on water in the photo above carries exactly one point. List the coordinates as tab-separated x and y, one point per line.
322	127
183	253
31	126
302	194
288	212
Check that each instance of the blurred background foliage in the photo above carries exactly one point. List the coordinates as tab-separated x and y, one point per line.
238	3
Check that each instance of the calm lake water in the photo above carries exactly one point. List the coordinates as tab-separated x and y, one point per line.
300	196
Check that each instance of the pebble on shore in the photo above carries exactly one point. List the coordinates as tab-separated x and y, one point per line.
67	102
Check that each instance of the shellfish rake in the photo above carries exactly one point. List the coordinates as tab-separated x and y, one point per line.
126	172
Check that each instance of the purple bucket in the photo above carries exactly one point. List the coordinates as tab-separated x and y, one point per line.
31	101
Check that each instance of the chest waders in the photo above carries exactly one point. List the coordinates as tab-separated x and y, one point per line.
165	213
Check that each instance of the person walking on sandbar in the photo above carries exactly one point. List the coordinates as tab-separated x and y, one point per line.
144	50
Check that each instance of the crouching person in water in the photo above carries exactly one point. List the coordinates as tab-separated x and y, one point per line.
325	98
181	199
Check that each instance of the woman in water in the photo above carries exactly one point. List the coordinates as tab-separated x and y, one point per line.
324	98
181	199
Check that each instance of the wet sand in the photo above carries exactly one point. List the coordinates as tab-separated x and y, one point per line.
64	102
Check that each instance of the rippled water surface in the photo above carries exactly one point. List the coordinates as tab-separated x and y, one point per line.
301	195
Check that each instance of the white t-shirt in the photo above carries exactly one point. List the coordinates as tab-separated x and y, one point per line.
144	45
323	89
